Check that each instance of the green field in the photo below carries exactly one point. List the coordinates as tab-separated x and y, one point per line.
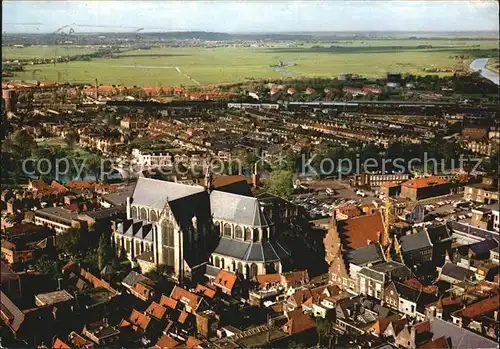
30	52
158	67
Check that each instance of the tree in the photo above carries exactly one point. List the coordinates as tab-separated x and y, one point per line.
291	163
295	345
104	252
70	138
94	165
280	183
70	242
324	329
48	267
21	143
123	254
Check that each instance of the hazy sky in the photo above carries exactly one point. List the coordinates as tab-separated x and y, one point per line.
250	15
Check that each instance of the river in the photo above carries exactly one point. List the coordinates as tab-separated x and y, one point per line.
480	65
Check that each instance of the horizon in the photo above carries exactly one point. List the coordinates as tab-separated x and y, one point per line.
492	31
90	17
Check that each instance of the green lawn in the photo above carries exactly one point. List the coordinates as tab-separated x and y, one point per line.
59	143
157	67
44	51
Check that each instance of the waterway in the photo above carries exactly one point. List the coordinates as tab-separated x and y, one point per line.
480	65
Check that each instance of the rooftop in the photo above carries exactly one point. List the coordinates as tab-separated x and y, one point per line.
225	279
423	182
461	338
57	213
415	241
482	307
359	231
53	297
155	193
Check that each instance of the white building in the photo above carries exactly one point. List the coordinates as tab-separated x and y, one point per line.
152	158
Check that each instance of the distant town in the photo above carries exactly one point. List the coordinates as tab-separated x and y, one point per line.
341	211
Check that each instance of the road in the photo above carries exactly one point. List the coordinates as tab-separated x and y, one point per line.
187	76
480	65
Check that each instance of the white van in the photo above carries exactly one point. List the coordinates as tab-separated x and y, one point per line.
361	193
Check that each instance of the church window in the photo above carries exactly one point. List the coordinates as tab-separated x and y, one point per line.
238	232
227	230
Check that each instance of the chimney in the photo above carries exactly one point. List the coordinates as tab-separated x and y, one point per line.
96	90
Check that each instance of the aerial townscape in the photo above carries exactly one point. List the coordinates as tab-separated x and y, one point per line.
222	175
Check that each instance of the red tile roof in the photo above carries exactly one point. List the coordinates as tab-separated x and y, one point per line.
424	182
39	184
301	296
70	266
262	280
169	325
482	307
59	344
226	180
205	291
139	320
142	290
183	316
225	280
166	342
349	210
358	230
81	184
192	343
399	325
278	307
298	322
125	323
414	283
443	302
180	294
439	343
58	187
423	327
431	289
168	302
381	324
308	303
78	341
156	310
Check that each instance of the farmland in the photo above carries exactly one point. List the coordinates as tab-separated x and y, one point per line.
194	65
45	51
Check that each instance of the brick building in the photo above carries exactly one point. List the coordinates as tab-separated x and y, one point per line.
425	187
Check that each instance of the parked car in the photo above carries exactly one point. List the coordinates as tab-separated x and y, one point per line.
361	193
